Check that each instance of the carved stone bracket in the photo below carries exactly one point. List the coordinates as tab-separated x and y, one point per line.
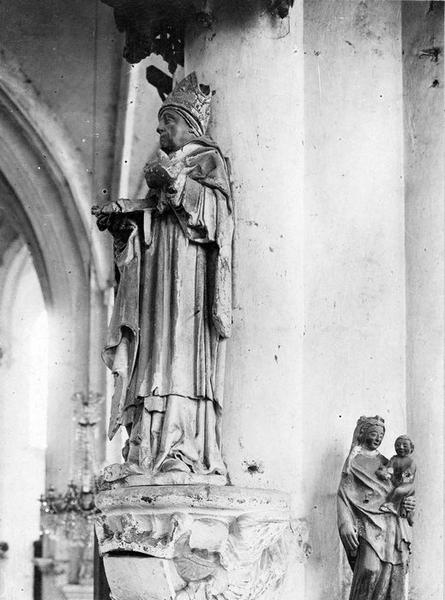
157	26
281	7
196	542
153	27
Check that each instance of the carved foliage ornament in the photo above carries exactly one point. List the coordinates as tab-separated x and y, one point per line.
236	557
227	544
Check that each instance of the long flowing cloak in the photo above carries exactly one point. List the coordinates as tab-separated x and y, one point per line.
172	314
383	537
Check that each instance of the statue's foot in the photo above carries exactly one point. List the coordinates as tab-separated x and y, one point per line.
121	471
174	464
172	471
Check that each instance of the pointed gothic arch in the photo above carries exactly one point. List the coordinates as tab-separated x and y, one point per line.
45	191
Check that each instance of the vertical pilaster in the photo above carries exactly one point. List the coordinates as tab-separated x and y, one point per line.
255	64
423	71
354	282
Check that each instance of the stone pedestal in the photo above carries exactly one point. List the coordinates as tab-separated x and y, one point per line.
194	541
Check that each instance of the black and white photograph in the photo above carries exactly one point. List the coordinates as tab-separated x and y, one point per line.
222	308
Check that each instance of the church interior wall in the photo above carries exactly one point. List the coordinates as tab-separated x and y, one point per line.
264	144
356	253
73	60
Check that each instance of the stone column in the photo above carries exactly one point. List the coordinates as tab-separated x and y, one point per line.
200	541
423	73
354	279
254	61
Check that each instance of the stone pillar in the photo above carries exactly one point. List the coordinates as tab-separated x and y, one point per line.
201	541
354	278
254	61
423	73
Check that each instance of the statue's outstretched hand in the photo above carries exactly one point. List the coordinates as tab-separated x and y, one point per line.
102	222
109	217
102	219
105	209
349	538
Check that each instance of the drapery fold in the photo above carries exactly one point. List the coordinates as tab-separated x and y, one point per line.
172	314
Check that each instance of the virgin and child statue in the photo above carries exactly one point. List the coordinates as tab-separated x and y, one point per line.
172	310
375	513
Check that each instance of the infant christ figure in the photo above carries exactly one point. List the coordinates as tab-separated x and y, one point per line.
401	470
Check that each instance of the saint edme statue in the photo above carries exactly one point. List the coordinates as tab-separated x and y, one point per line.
172	310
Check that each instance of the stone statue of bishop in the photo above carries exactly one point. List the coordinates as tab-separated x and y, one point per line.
172	311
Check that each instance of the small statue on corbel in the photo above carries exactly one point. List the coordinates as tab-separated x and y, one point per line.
375	512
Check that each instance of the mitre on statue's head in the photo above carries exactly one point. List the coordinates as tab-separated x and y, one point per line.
192	101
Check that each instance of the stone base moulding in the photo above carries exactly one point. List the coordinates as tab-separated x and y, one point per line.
195	541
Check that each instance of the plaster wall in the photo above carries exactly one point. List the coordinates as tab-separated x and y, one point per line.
354	264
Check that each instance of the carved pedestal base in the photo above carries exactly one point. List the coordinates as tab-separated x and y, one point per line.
193	541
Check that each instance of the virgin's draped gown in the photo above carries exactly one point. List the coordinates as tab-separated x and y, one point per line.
171	317
384	538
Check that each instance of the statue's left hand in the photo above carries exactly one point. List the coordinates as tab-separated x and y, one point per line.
409	503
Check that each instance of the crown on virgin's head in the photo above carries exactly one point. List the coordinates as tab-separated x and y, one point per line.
193	98
366	422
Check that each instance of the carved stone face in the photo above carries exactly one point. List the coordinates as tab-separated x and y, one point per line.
403	446
173	131
373	437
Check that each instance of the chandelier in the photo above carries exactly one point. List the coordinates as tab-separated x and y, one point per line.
67	518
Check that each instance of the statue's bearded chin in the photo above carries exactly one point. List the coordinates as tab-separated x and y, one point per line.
166	143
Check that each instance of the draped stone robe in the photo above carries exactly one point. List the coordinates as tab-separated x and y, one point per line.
171	317
381	562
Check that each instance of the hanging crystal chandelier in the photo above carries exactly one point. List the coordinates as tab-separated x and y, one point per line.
67	518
